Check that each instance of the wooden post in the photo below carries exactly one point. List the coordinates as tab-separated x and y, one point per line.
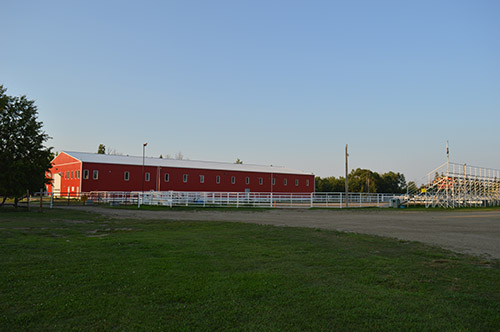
41	198
28	199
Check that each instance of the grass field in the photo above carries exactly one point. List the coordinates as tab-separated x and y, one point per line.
70	270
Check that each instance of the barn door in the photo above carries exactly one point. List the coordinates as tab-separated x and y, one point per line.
56	184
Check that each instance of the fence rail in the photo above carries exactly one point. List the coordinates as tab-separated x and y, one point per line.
220	199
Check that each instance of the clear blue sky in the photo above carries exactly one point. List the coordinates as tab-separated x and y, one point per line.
270	82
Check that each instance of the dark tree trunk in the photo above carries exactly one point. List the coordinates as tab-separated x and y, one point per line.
3	201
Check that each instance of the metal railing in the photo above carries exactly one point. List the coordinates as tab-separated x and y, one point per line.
453	185
213	199
239	199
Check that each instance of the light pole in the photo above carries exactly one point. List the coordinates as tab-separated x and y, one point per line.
346	178
143	153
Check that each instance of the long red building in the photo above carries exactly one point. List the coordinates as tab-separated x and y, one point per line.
76	172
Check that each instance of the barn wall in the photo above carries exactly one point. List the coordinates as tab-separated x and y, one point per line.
70	170
111	178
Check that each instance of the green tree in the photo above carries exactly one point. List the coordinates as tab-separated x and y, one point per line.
393	183
364	181
101	149
330	184
238	161
24	160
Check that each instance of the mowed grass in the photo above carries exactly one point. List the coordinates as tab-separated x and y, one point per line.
74	271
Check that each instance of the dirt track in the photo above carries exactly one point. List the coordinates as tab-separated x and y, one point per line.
476	232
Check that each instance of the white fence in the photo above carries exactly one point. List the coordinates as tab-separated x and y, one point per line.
236	199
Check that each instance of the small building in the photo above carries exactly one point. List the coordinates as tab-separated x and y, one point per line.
76	172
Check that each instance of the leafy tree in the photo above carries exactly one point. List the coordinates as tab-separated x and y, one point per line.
24	160
101	149
393	183
364	180
238	161
330	184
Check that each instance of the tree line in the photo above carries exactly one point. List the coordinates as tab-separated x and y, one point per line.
364	181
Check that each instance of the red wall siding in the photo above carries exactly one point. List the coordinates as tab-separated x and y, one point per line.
111	178
70	170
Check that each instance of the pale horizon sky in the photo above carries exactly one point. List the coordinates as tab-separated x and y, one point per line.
270	82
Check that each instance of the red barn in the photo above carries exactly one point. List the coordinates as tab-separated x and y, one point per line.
75	172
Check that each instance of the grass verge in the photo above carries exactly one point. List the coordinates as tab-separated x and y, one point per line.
70	270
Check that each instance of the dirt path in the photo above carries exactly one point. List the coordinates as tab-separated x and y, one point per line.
476	232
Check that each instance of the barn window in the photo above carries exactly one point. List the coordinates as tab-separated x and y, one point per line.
217	179
247	180
202	178
148	176
126	176
185	178
274	181
95	174
261	181
285	182
78	174
296	182
307	182
72	173
167	177
233	179
85	174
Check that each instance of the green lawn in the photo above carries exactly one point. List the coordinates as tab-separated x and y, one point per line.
69	270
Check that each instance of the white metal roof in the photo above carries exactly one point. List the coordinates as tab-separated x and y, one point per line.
163	162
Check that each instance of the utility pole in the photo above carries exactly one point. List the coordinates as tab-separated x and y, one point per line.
447	175
143	157
346	179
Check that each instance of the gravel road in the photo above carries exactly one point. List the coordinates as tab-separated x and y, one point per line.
470	232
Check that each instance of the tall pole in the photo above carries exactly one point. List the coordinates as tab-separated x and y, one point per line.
346	179
158	175
447	174
143	156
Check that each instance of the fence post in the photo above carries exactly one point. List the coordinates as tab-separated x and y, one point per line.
359	199
237	200
28	199
378	200
41	202
271	200
68	196
52	198
312	200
